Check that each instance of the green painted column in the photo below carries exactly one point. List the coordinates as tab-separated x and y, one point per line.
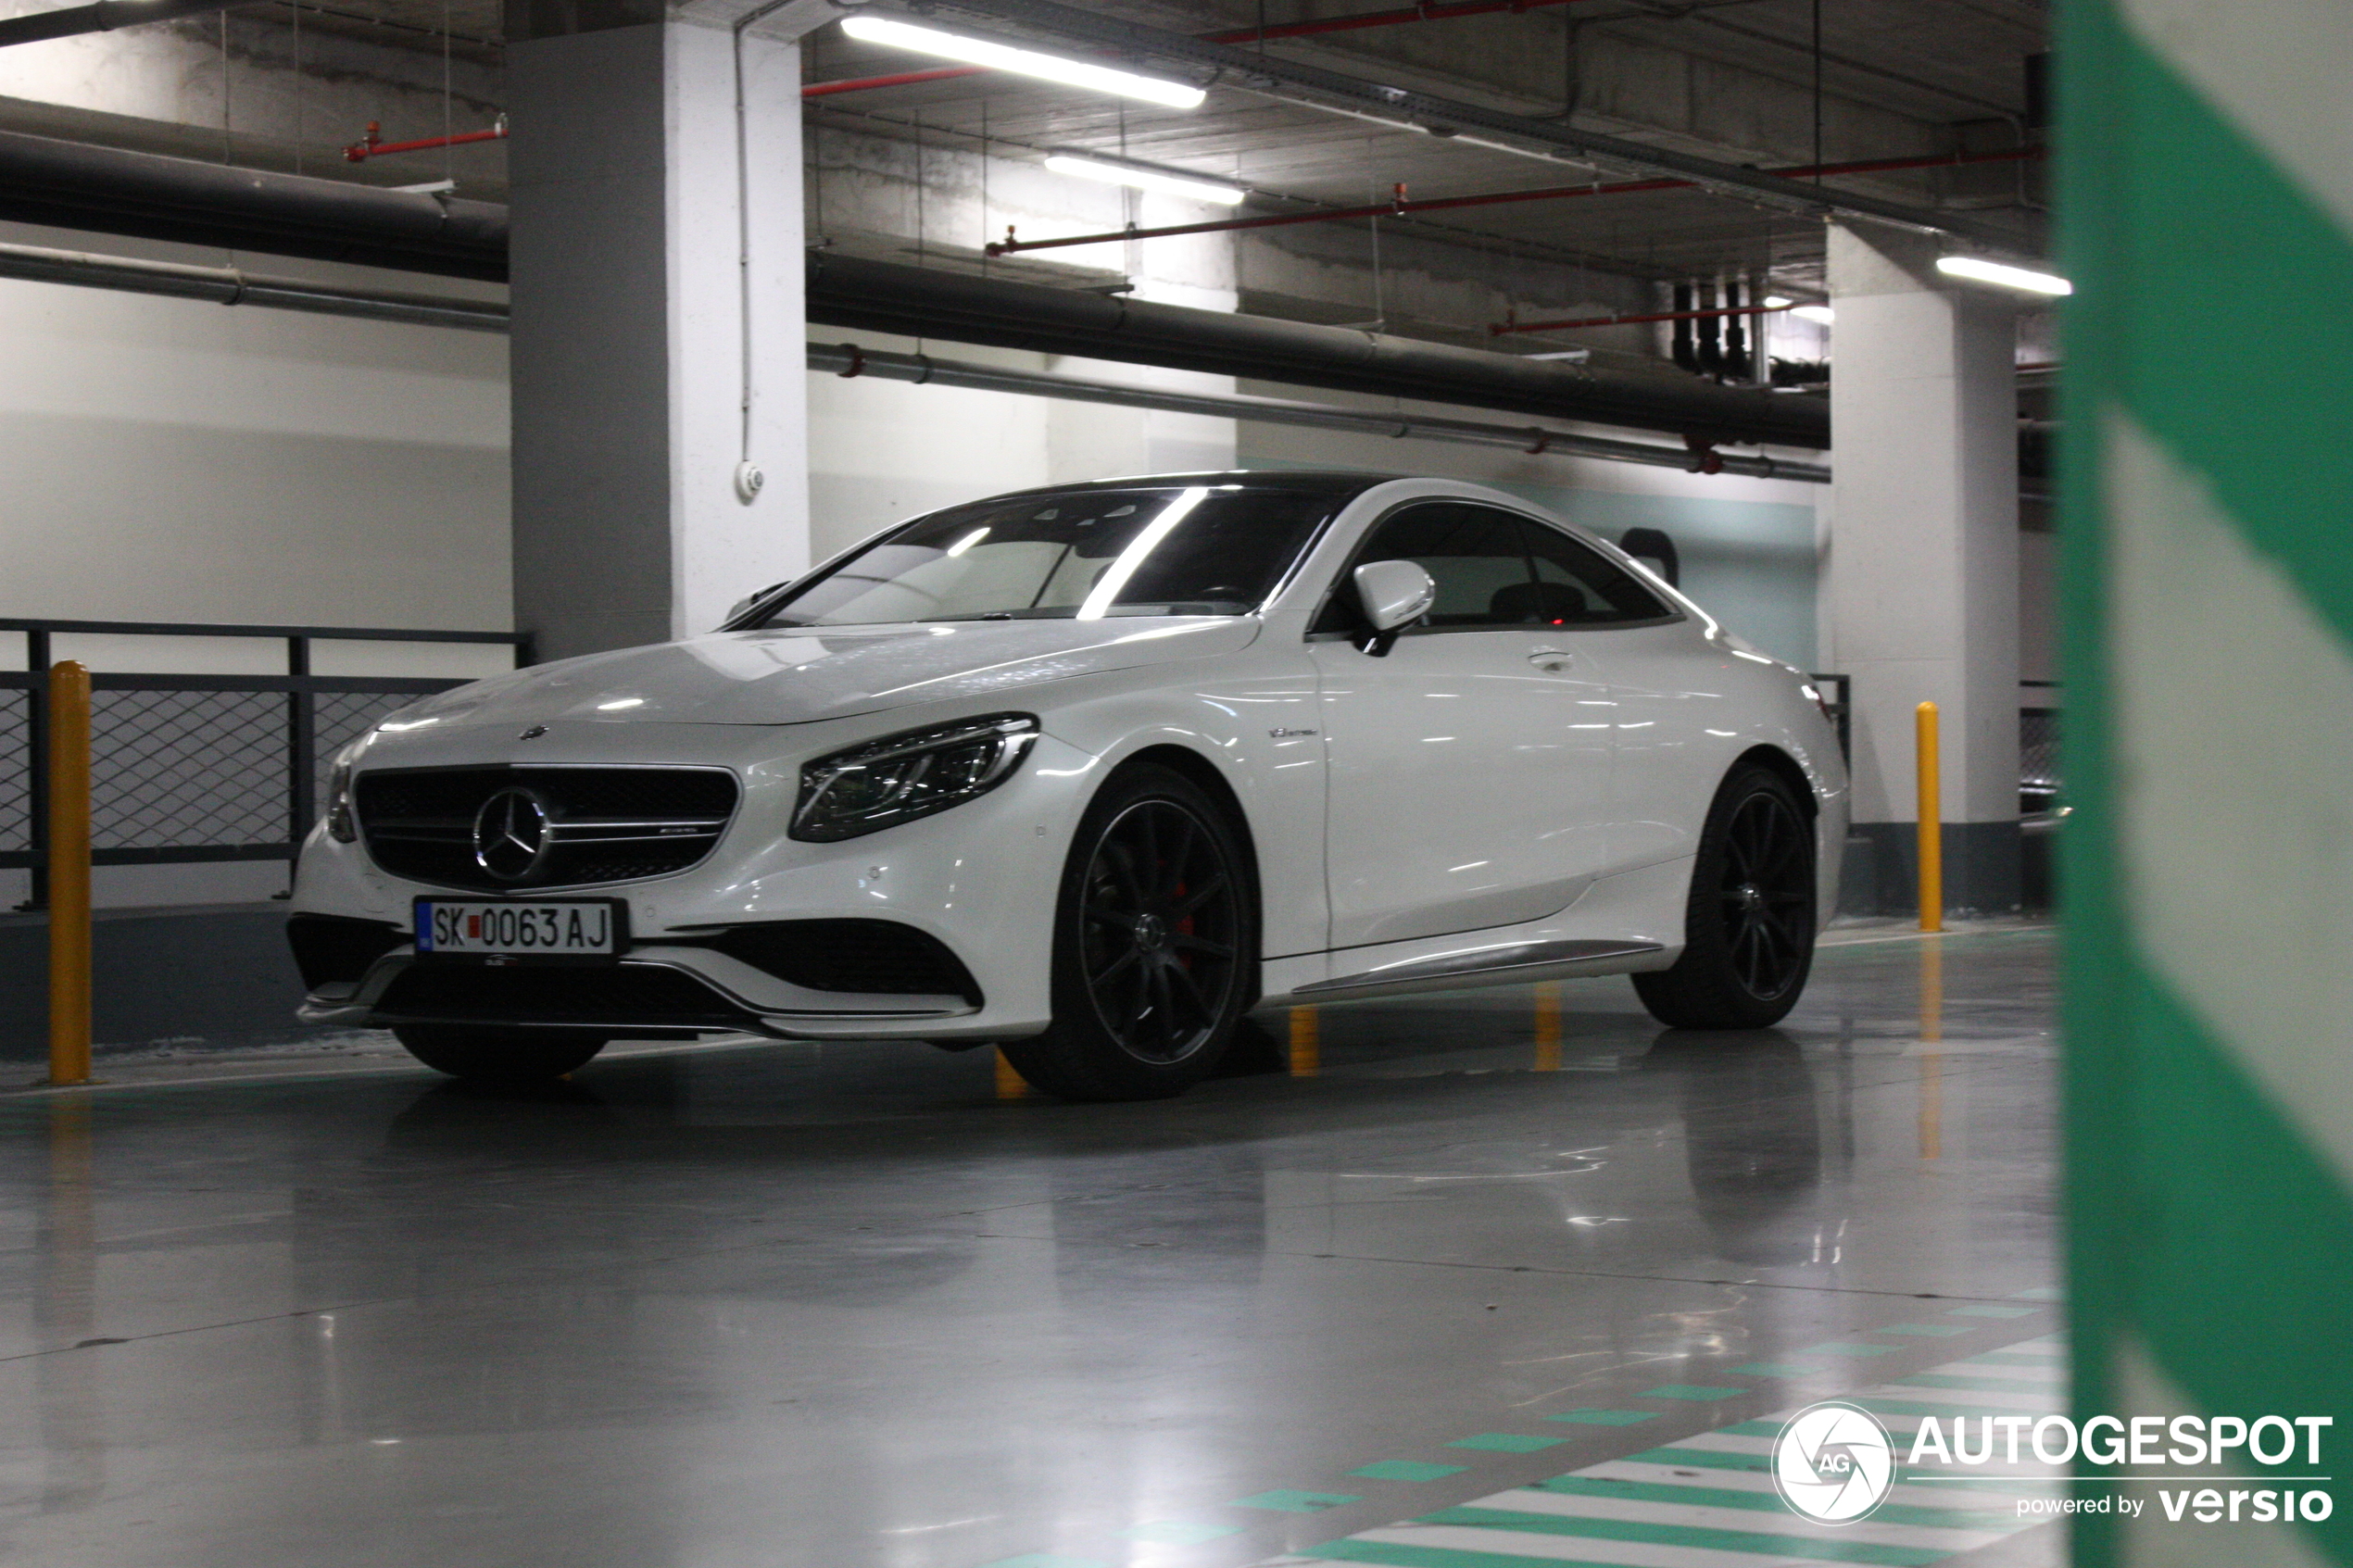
2207	202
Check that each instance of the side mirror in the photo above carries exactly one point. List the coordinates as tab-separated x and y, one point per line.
1656	550
1394	593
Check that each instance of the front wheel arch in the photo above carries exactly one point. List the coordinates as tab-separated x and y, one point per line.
1189	861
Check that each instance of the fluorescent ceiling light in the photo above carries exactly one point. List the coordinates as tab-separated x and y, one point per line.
1778	302
1112	173
988	52
1978	270
1820	313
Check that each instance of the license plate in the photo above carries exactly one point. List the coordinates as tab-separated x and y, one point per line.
583	928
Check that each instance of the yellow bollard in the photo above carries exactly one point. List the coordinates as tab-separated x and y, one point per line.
1931	824
1306	1043
68	874
1010	1085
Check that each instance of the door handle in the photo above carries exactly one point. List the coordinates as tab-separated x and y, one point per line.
1551	661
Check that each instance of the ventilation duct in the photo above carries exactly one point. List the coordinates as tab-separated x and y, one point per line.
917	302
72	185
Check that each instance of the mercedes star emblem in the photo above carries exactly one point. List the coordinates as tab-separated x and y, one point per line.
512	834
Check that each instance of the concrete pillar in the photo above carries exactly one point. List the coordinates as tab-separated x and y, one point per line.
1921	601
658	319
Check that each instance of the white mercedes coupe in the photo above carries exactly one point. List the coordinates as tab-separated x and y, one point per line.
1088	773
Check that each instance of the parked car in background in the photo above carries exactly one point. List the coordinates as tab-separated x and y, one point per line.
1089	771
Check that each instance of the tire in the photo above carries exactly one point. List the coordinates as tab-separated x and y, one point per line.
1155	946
498	1056
1749	923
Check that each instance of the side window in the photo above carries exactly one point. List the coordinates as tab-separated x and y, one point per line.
1473	553
1576	585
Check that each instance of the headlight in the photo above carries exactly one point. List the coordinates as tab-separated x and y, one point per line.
342	825
902	777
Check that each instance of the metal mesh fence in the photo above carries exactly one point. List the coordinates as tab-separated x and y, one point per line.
189	768
2038	749
16	771
180	769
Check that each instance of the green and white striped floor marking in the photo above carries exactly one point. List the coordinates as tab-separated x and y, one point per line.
1707	1502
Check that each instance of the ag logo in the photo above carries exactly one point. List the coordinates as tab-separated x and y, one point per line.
1834	1463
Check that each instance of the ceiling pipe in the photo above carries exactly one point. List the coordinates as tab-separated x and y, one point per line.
104	16
231	285
1401	206
74	185
1237	36
887	297
851	360
1403	109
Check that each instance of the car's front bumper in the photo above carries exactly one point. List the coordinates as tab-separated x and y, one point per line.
979	878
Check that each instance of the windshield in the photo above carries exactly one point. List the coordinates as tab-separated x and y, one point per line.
1077	555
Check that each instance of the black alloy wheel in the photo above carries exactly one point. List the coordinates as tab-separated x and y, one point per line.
1155	946
1767	895
1159	913
1750	921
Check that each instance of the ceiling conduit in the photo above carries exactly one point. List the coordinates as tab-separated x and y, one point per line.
851	360
231	285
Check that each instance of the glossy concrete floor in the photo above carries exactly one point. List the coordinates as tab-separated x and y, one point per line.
766	1306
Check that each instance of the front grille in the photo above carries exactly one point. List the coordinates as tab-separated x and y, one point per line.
876	956
625	994
331	948
603	825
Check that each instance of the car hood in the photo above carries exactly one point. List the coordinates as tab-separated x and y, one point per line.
794	676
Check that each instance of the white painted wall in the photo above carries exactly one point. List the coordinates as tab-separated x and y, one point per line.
173	459
169	459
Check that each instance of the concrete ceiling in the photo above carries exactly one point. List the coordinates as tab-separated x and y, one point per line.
1732	79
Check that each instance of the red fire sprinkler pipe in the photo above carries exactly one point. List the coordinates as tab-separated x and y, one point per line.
373	145
1239	35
